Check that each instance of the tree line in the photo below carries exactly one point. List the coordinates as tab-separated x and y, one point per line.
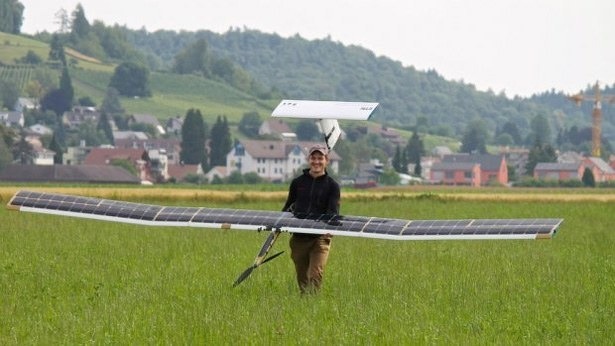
11	16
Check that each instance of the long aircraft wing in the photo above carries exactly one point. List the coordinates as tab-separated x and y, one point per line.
354	226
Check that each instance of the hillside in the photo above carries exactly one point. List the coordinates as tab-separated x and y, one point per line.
173	94
319	69
324	69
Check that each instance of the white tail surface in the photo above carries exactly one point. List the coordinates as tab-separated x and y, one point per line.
331	131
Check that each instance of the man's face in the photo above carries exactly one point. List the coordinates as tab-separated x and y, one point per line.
318	163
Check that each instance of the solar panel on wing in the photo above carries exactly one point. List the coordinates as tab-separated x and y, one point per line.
356	226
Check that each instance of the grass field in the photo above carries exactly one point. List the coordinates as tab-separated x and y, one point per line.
74	281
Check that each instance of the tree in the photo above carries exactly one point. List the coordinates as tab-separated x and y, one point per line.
541	131
43	81
398	160
588	178
89	133
23	151
31	58
389	177
194	58
80	25
307	130
9	94
66	85
511	129
223	69
414	150
105	127
56	147
59	132
55	101
345	149
220	143
193	139
131	79
111	103
56	49
60	100
252	178
474	138
113	108
11	16
250	123
86	101
7	135
504	139
5	154
539	153
62	20
235	178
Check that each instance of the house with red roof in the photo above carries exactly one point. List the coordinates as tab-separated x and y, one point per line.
574	170
277	128
601	170
559	170
139	158
473	170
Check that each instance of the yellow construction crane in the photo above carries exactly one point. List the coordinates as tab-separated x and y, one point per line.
596	114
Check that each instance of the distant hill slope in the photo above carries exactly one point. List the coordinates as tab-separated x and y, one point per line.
172	94
324	69
319	69
13	47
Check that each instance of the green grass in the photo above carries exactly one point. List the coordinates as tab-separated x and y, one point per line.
15	47
72	281
174	94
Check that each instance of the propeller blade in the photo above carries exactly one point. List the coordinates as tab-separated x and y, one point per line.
272	257
243	276
260	258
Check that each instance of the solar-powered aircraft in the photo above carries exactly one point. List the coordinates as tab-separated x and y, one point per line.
275	221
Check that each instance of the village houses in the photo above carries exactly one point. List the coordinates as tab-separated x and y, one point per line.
274	161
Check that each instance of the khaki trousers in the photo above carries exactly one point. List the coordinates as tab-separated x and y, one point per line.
310	257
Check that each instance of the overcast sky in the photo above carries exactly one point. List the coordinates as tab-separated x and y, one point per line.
520	47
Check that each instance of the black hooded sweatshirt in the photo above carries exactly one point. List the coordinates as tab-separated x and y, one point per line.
319	195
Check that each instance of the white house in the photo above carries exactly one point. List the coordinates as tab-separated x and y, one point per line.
25	103
41	129
43	156
12	119
273	160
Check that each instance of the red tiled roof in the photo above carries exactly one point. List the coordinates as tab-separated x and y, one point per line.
103	156
179	172
278	126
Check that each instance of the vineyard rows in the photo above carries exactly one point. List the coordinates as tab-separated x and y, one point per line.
18	74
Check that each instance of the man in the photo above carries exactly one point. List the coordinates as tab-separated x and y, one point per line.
312	192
